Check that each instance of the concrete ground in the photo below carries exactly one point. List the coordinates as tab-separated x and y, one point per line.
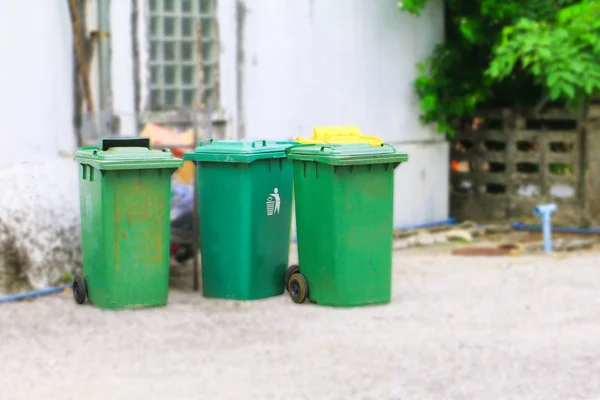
457	328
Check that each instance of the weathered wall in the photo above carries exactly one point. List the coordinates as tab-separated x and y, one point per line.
39	212
510	162
38	220
39	223
591	162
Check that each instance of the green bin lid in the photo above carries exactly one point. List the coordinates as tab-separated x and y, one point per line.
126	153
347	154
231	151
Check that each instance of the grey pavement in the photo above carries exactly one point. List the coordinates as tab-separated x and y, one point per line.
457	328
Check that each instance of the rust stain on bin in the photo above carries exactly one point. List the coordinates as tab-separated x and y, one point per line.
116	236
123	203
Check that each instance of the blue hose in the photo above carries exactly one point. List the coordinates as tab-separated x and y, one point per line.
565	229
36	293
515	225
449	221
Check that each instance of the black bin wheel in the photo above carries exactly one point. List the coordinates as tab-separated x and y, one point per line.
292	269
79	289
298	288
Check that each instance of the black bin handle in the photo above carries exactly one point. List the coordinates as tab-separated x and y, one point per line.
107	143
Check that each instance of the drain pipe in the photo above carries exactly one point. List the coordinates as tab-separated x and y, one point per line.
104	64
545	211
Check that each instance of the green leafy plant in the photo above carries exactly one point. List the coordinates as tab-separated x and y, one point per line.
508	54
563	56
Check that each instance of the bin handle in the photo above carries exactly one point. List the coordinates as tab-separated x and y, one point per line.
107	143
293	146
326	148
205	142
262	142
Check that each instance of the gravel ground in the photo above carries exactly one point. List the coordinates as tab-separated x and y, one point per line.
457	328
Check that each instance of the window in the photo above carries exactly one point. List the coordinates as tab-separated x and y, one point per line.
174	52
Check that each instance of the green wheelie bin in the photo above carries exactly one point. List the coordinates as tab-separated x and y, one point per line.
125	211
245	211
344	221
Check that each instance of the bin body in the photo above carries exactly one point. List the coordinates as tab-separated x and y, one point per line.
344	218
125	208
245	209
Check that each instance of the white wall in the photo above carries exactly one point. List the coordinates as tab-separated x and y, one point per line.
227	15
334	62
122	66
36	80
421	185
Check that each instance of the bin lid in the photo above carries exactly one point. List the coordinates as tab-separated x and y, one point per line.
231	151
347	154
339	134
126	153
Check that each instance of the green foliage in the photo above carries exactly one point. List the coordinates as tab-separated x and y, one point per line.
563	56
509	53
66	277
412	6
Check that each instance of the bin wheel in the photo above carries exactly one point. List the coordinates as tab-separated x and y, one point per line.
292	269
298	288
79	289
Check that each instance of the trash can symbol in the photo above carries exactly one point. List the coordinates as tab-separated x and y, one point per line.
270	205
273	203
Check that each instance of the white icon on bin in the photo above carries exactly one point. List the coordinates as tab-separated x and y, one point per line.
273	203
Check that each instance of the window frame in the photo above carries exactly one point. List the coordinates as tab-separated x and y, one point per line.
172	79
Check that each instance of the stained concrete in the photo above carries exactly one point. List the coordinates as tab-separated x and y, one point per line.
39	223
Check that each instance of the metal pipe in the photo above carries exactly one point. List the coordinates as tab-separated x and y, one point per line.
545	211
195	223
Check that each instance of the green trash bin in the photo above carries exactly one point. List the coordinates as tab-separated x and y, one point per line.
344	221
245	210
125	213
